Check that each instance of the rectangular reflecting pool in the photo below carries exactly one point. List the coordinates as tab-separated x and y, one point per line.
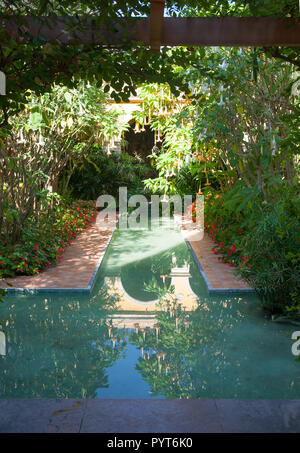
148	329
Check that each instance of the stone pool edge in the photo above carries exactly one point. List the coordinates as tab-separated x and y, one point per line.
123	415
179	221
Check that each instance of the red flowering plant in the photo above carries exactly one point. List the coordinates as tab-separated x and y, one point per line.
43	243
224	227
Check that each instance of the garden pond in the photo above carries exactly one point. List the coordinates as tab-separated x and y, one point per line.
148	329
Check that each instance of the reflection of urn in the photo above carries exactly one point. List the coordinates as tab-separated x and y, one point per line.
183	271
179	280
143	331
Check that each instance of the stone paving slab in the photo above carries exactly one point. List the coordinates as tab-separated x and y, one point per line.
78	267
149	416
255	416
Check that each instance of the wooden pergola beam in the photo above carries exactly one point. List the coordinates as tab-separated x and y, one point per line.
190	31
231	31
156	24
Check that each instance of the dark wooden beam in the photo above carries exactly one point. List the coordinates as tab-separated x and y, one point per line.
156	24
231	31
71	30
208	31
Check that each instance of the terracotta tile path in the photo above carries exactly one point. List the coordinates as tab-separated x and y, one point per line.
217	275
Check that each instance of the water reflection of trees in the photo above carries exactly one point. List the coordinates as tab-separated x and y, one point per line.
185	356
59	347
168	351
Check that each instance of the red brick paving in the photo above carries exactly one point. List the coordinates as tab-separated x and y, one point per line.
219	274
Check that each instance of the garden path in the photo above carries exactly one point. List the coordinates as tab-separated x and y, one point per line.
82	258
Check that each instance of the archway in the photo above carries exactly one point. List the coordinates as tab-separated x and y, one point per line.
140	140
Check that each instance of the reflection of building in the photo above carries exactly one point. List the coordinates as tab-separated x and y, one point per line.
2	344
180	280
125	111
128	321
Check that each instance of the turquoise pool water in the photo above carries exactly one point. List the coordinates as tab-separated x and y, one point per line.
116	343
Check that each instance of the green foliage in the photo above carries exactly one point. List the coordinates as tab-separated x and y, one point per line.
37	65
273	247
226	227
246	106
170	119
256	8
2	292
99	174
53	134
42	243
262	240
192	176
239	120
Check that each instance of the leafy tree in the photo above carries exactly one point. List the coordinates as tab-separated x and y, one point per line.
246	111
98	174
53	133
